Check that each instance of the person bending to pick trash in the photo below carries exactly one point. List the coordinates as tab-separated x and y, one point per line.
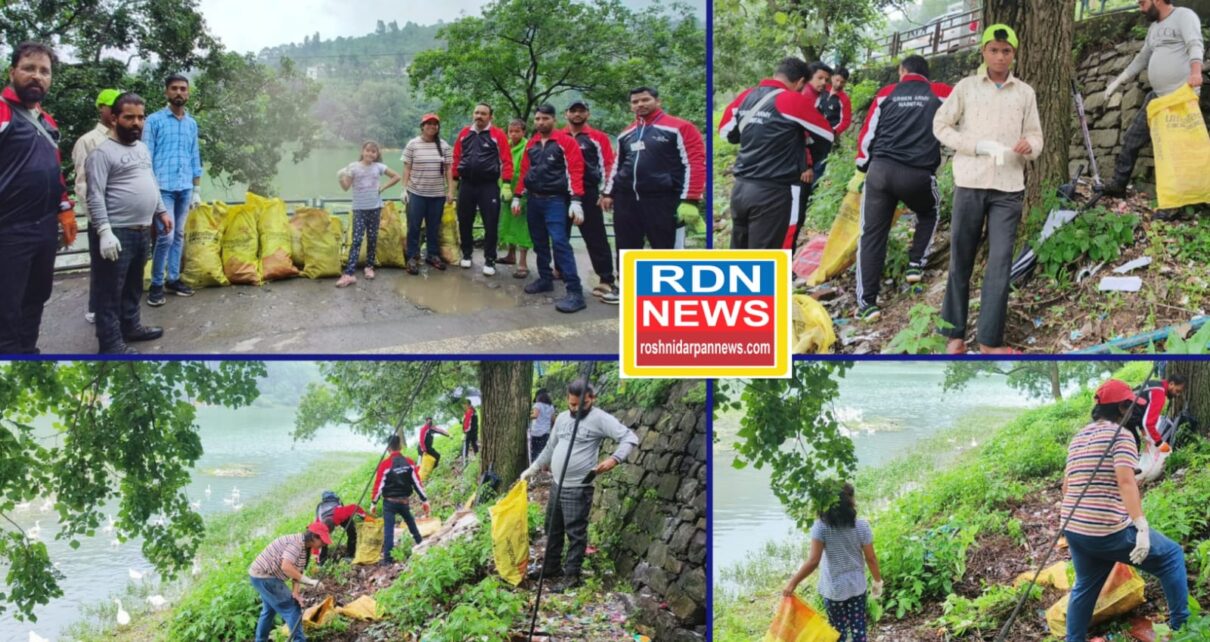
285	558
1109	526
991	120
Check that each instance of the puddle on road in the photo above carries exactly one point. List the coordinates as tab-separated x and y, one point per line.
453	293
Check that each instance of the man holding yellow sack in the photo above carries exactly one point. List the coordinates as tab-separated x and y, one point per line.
574	465
1173	54
897	158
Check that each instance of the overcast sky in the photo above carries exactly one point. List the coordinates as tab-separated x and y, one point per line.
249	26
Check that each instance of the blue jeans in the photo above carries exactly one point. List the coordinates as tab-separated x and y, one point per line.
427	210
168	246
547	216
1094	558
276	599
389	510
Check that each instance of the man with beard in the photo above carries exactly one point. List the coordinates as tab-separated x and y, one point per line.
123	199
1173	54
598	160
482	157
79	153
171	139
657	178
567	516
33	199
552	181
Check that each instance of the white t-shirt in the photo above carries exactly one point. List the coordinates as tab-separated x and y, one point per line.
365	184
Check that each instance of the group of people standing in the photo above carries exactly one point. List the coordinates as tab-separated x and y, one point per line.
786	126
530	189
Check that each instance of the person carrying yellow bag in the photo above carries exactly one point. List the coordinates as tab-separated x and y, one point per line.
510	533
1182	149
841	546
797	622
1172	53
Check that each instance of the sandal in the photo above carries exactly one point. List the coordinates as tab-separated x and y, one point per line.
507	260
369	272
521	272
346	280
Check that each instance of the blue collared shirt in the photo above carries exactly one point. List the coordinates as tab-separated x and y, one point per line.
175	156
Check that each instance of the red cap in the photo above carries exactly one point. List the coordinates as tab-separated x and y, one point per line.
430	116
321	529
1116	391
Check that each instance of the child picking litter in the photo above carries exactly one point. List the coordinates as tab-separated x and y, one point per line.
364	177
841	547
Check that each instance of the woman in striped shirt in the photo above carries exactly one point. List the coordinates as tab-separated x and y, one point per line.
1107	525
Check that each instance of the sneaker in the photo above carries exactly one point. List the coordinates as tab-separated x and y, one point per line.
179	288
539	286
369	272
869	313
413	266
536	570
155	296
489	269
465	264
90	317
913	274
573	302
612	297
346	280
601	290
144	333
436	262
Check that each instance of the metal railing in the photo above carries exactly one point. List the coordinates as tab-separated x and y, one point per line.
76	258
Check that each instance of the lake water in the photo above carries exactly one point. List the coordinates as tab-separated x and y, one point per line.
314	177
254	441
888	406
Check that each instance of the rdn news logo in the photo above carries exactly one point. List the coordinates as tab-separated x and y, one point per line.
705	313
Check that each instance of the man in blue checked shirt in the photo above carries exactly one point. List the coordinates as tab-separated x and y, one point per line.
171	137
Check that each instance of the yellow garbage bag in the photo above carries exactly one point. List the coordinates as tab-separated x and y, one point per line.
202	263
276	243
813	333
450	247
427	464
315	617
510	533
369	542
363	608
1182	149
797	622
841	248
428	525
240	241
301	216
321	246
392	237
1054	575
1122	593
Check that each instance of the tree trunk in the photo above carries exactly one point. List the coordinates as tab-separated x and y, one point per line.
1197	392
1056	389
504	417
1044	61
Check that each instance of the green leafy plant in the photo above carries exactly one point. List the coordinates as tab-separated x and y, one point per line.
1097	234
1196	344
920	335
487	611
961	615
925	565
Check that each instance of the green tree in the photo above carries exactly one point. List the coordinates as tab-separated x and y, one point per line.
1038	379
521	53
118	430
788	425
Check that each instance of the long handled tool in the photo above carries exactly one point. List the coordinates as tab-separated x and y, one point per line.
1003	635
575	428
1097	185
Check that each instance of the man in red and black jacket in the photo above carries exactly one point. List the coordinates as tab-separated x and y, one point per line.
597	151
33	199
897	158
834	103
773	124
482	158
1154	395
552	181
819	76
657	178
427	432
334	514
470	430
397	478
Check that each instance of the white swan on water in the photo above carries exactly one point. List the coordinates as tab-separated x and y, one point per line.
135	575
207	491
108	527
157	601
123	616
34	637
36	531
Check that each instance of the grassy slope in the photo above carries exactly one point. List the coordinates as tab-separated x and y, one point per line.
927	535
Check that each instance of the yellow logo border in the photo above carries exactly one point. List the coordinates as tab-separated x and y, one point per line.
627	352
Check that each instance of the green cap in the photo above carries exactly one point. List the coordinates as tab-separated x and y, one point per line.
989	35
107	96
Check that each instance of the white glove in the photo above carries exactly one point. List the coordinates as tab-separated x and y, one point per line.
1112	87
993	149
1142	542
195	198
516	207
310	581
527	473
110	246
576	212
876	589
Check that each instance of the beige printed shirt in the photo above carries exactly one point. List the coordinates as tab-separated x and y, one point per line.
978	110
